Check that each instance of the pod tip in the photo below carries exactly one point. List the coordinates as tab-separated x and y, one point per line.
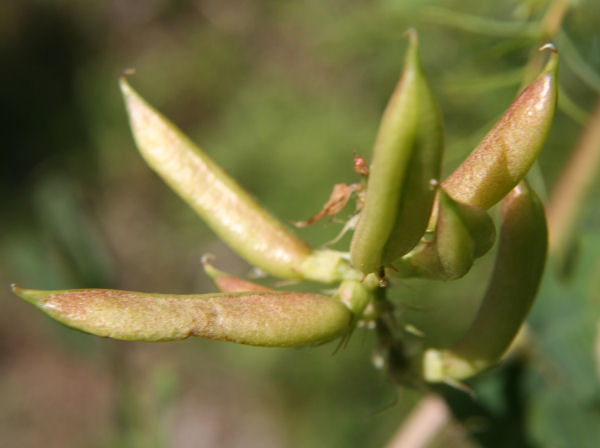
207	258
123	80
209	269
552	64
549	46
29	295
411	33
128	72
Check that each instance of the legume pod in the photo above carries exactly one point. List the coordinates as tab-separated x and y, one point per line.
225	206
462	233
406	158
510	294
507	152
260	318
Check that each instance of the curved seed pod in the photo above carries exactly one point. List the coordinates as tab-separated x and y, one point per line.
406	158
462	234
507	152
228	283
510	294
265	318
229	210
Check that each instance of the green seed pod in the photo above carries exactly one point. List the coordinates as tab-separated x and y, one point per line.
510	294
261	318
229	210
462	234
406	158
507	152
228	283
327	266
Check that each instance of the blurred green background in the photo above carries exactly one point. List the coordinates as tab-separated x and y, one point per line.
280	93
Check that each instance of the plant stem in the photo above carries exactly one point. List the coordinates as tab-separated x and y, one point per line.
571	189
426	420
550	26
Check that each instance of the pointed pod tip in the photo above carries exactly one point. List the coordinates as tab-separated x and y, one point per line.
552	64
207	258
413	43
209	269
123	83
127	72
412	58
412	35
32	296
549	46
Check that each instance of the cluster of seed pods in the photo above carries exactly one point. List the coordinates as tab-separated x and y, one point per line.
411	224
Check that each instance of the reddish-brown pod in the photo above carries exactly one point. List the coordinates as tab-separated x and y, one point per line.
511	291
228	283
508	151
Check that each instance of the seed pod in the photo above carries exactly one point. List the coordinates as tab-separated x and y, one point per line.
406	158
228	283
229	210
507	152
265	318
510	294
462	234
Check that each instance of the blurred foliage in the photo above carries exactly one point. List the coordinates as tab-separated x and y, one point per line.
281	94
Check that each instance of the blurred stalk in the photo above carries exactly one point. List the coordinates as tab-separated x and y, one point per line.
549	27
572	187
136	421
577	63
570	108
554	17
479	25
423	424
597	350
